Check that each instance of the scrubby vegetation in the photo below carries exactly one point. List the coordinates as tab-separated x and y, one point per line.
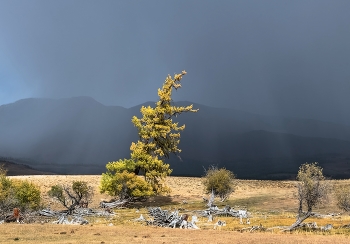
18	193
343	197
124	185
219	181
313	190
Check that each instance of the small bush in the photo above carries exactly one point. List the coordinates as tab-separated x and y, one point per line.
125	185
220	181
18	193
28	195
342	194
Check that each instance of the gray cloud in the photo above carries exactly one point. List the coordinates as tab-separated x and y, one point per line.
273	57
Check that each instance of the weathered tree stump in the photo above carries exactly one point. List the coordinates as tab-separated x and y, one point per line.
15	217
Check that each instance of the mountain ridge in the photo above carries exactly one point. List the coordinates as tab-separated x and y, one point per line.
59	135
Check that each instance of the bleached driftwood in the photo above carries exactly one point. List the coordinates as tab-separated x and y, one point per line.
141	218
219	224
48	213
311	226
76	212
92	212
165	218
115	204
327	227
254	228
226	211
76	220
211	199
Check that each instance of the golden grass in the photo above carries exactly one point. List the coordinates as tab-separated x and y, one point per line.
30	234
272	203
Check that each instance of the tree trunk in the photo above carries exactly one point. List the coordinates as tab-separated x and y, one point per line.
299	221
71	208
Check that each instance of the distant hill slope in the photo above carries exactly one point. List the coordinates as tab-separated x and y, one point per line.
80	135
265	155
20	169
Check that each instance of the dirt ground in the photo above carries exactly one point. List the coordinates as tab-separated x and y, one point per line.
33	234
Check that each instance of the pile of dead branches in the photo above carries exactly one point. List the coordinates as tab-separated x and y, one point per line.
77	211
165	218
226	211
76	216
77	220
311	226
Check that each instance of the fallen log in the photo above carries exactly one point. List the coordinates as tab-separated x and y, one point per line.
115	204
227	211
48	213
76	220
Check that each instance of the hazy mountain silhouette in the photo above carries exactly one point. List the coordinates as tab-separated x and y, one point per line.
79	136
15	167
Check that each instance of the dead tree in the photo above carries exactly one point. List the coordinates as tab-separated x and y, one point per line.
312	191
211	199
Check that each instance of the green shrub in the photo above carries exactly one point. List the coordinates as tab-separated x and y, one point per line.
125	185
220	181
18	193
28	195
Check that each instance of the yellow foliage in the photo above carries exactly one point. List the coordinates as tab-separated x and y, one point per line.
18	193
220	181
125	185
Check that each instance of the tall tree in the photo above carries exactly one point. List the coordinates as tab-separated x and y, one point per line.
159	137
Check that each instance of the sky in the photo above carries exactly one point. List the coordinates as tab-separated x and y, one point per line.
284	58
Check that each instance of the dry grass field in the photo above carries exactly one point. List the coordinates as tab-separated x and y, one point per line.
271	203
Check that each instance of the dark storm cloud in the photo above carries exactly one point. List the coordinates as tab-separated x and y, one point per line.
276	57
